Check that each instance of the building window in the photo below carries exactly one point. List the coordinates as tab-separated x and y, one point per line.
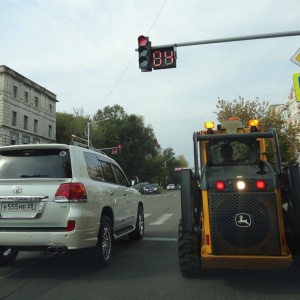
50	131
36	101
14	119
50	109
13	139
15	91
35	126
26	97
26	122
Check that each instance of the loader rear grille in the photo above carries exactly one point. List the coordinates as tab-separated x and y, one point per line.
244	224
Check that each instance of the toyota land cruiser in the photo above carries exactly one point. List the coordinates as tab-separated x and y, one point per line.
58	197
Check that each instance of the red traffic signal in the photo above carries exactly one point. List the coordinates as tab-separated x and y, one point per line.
143	41
145	56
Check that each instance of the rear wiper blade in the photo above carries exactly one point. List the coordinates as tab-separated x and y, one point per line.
33	175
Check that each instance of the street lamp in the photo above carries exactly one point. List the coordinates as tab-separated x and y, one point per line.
88	128
77	137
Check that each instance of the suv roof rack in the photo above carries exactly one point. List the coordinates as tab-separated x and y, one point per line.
87	147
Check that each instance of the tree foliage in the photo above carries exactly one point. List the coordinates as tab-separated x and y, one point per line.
70	124
288	136
111	126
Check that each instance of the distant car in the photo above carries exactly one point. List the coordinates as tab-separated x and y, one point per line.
152	188
140	186
170	187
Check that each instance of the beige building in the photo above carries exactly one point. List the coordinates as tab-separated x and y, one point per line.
290	110
27	110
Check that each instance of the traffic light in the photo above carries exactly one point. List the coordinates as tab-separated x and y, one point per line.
120	148
145	56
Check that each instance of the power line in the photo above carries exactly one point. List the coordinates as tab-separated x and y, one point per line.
106	98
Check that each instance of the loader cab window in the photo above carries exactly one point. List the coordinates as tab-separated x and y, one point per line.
233	152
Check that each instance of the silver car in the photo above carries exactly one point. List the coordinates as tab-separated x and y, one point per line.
58	197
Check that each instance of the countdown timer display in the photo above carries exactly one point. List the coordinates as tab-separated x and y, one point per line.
163	58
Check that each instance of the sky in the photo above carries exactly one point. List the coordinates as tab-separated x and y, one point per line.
84	51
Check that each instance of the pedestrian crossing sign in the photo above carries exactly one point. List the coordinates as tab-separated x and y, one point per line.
296	78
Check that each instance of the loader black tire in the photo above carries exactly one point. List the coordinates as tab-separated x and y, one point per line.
294	189
189	246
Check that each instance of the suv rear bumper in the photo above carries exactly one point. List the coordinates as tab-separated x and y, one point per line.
71	240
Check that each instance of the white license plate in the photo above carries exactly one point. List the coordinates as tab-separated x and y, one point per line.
18	207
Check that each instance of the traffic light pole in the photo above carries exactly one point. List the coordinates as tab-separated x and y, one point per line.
232	39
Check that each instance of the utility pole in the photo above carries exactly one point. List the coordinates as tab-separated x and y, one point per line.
166	167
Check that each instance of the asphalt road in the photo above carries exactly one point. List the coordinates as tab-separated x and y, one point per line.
146	269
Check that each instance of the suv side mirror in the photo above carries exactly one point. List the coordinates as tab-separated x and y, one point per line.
134	180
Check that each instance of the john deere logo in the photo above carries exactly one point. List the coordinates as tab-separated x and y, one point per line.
242	220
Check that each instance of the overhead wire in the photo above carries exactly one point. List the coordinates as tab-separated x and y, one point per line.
123	73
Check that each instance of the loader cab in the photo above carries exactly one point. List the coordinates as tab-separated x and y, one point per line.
248	144
231	153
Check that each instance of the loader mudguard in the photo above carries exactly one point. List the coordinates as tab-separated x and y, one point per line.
186	201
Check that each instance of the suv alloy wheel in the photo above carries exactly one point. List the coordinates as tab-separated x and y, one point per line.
105	240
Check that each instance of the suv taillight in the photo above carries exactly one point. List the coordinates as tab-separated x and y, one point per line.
73	191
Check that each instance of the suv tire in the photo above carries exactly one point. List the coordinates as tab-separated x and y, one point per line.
105	238
7	255
138	233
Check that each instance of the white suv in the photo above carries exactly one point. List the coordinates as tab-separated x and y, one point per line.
59	197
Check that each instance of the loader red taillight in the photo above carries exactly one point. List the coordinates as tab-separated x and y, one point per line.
283	241
220	185
73	191
207	239
71	225
260	184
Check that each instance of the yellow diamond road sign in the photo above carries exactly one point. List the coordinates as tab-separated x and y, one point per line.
296	58
296	78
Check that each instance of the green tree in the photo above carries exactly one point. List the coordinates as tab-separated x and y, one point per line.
181	161
70	124
244	109
139	144
141	154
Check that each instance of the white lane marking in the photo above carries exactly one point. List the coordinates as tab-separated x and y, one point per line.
146	215
161	219
161	239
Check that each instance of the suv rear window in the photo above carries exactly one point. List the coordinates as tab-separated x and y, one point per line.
35	163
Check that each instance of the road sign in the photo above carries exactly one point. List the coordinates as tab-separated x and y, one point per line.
296	78
296	58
